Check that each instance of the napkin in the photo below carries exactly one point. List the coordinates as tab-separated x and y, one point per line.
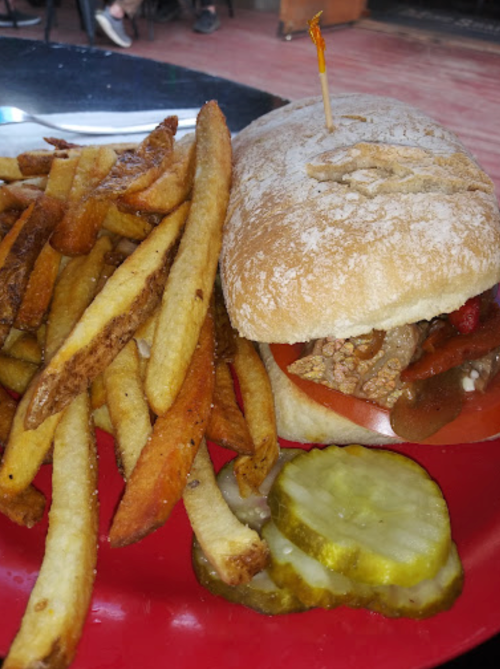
18	137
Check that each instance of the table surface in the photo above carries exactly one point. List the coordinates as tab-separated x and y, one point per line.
48	78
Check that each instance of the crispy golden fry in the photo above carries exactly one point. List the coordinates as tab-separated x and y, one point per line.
258	405
158	479
109	322
77	232
16	374
227	426
224	332
22	193
38	293
23	346
73	292
190	283
26	449
173	186
98	392
33	163
138	169
19	253
235	551
9	169
61	175
126	224
25	509
8	407
128	408
7	221
58	605
102	419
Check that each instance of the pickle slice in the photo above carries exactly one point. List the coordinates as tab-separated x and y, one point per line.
261	594
372	515
317	586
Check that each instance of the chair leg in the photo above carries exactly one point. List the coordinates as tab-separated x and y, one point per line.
49	17
10	12
87	13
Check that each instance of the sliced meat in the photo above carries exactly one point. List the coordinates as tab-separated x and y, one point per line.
368	366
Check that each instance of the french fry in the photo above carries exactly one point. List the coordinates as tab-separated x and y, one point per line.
73	292
128	408
38	293
227	426
25	509
126	224
39	161
58	604
225	334
173	186
130	295
158	479
19	252
258	405
137	170
189	286
22	193
98	392
102	419
8	407
235	551
16	374
61	175
26	449
9	169
23	346
7	221
77	232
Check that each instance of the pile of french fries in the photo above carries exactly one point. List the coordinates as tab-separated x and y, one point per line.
111	317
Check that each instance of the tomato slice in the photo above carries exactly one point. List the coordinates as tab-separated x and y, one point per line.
478	420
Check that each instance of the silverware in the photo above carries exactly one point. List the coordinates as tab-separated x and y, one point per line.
187	119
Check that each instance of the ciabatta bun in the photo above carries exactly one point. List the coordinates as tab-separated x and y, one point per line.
386	220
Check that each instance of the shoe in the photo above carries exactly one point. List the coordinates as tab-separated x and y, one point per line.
207	22
113	28
21	20
166	13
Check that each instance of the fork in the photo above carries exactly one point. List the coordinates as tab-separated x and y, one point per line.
187	119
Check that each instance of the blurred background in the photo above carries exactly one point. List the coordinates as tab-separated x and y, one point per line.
442	56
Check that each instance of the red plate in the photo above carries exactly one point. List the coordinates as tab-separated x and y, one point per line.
148	609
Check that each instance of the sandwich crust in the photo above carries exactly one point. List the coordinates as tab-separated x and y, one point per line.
386	220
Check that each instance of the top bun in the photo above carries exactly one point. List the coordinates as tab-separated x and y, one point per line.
386	220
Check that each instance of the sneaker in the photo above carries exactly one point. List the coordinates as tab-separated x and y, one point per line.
113	28
167	12
21	20
207	22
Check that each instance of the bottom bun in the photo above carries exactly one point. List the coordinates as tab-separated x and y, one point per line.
301	419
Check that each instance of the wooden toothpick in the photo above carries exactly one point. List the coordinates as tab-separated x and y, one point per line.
317	38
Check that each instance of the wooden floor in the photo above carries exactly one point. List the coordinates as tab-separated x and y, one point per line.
457	82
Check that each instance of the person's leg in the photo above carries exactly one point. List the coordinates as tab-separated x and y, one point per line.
207	21
111	20
16	19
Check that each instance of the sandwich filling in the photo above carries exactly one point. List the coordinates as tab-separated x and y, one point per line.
408	368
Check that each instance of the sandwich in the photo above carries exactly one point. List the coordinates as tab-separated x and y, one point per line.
364	262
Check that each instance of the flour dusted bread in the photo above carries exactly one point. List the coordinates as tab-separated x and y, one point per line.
386	220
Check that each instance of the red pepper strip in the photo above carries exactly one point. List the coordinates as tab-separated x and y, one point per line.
457	350
466	319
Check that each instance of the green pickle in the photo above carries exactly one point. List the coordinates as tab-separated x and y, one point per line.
372	515
346	526
317	586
